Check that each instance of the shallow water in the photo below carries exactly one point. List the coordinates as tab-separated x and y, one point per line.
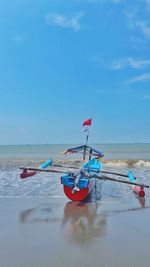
45	184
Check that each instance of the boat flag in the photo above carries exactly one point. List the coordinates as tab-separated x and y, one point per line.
87	122
86	125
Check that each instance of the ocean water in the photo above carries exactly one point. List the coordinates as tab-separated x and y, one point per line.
110	151
118	157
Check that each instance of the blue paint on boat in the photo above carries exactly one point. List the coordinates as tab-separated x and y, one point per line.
66	180
45	164
131	177
90	150
91	166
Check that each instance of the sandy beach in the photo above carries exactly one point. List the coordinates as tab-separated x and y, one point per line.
54	232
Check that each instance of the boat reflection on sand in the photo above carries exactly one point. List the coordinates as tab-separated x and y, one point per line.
43	213
73	212
81	224
142	201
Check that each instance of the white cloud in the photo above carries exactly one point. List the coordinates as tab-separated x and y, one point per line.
64	21
141	78
129	62
131	17
136	20
148	5
138	42
144	28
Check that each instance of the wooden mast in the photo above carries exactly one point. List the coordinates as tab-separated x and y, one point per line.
84	153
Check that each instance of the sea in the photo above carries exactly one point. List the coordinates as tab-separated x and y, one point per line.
117	157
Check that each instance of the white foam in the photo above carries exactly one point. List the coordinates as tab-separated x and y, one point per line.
118	163
142	163
126	163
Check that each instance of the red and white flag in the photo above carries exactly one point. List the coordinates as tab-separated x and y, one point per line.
86	125
87	122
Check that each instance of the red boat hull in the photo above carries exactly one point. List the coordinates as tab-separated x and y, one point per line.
26	174
139	191
79	195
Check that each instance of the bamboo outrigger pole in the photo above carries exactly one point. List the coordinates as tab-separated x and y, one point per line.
107	172
118	180
102	177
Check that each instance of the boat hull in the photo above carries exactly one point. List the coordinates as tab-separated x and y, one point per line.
85	184
26	174
138	190
80	195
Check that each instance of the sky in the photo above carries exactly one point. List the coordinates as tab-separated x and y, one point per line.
62	62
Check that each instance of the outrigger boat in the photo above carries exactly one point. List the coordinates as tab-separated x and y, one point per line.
79	182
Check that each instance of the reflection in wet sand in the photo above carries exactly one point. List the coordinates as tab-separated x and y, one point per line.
141	201
81	223
42	214
47	212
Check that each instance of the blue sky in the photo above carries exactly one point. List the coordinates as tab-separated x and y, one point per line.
62	62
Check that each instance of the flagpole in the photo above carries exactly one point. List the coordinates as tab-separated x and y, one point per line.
84	154
86	123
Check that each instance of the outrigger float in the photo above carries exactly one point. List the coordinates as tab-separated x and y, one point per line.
79	182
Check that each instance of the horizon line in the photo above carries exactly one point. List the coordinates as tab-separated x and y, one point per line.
44	144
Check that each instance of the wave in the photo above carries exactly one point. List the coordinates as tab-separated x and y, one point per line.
109	163
7	163
126	163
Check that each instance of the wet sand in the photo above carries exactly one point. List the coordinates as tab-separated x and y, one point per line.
52	232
